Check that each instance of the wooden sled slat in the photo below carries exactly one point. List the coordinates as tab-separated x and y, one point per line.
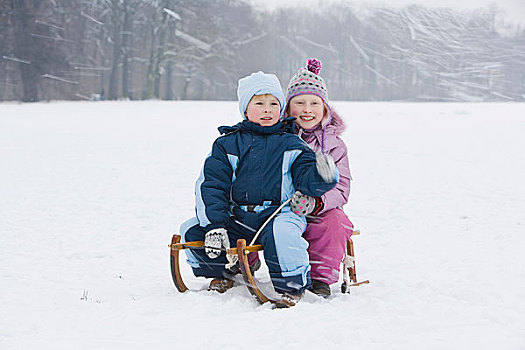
242	253
249	280
352	272
350	252
180	246
199	244
249	249
175	267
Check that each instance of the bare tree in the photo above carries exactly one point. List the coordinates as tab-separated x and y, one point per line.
38	45
184	49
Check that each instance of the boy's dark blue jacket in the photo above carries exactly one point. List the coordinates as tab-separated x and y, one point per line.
254	165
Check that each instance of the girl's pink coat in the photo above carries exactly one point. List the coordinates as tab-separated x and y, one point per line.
333	145
328	233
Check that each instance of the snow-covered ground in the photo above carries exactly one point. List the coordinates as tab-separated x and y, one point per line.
90	194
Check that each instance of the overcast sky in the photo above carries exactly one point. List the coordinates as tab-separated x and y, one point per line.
515	9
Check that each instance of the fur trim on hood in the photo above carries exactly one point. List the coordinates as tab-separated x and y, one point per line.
336	121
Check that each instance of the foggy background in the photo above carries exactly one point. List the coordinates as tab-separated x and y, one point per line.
197	50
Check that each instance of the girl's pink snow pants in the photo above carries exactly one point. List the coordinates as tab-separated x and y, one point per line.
327	235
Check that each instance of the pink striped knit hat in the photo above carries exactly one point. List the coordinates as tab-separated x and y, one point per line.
307	81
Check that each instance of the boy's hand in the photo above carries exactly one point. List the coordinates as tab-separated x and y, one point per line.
303	205
214	241
326	167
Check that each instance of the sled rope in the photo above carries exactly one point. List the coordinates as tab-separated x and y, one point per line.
233	258
269	219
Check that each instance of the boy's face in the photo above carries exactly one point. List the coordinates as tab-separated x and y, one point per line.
308	109
263	110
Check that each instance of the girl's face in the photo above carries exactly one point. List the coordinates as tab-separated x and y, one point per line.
308	109
264	110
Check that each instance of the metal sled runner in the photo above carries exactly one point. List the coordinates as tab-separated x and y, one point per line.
242	251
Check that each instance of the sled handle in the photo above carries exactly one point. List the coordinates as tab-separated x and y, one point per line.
200	244
180	246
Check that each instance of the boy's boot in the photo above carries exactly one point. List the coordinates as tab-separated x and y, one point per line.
288	300
220	285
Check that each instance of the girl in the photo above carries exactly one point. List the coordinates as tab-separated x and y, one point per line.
320	127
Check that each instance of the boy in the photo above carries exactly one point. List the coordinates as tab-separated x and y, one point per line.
254	167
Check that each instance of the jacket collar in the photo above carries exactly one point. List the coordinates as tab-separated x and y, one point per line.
281	126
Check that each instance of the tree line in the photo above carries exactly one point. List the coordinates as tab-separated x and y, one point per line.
183	49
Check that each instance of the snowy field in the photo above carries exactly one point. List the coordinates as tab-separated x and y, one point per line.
90	194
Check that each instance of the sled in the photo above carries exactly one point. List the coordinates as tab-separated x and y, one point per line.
242	251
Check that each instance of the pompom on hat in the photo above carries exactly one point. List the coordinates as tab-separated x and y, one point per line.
258	84
307	81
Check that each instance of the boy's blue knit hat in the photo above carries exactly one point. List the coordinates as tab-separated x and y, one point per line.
258	84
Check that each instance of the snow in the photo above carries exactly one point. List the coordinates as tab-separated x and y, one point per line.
192	40
172	13
83	14
91	193
15	59
54	77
